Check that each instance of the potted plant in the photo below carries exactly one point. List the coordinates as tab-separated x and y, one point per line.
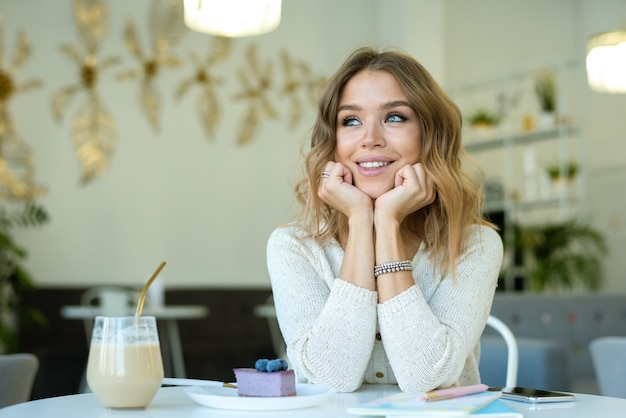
483	120
562	256
545	89
15	281
559	171
561	175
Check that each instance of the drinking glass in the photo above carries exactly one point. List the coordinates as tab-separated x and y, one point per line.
125	368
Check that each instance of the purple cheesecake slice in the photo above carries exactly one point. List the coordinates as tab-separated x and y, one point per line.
251	382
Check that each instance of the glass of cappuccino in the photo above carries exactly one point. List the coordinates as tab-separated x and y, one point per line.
125	368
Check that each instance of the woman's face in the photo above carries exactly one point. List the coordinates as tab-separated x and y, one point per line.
377	131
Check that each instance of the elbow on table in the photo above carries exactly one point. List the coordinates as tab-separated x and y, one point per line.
413	387
411	384
339	384
344	387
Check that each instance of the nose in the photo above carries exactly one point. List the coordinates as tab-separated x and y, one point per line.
373	136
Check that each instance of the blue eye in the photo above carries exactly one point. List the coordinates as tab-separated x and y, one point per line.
350	121
394	117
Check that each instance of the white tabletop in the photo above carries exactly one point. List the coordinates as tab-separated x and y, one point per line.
159	312
171	402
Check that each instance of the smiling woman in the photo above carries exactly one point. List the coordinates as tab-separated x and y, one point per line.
377	136
389	262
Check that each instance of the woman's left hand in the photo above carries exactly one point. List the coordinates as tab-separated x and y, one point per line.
412	191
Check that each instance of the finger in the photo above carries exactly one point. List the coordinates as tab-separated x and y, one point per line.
406	173
425	181
420	174
328	169
346	174
337	172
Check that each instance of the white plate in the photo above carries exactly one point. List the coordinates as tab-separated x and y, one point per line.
307	395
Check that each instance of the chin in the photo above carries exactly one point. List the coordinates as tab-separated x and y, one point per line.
374	192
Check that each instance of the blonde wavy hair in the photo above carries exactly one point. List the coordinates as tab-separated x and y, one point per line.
443	225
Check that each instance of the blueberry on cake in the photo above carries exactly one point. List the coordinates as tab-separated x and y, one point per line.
269	378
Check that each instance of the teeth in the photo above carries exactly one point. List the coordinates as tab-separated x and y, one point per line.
374	164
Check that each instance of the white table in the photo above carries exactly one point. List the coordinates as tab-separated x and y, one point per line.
169	315
171	402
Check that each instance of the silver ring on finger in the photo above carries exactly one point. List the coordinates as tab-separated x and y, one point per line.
325	174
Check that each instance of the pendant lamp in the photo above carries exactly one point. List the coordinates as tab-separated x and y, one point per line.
233	18
606	62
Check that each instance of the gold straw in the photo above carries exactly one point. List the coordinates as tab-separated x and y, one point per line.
144	291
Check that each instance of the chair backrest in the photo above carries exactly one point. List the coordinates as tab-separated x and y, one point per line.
268	311
17	375
114	301
608	355
512	349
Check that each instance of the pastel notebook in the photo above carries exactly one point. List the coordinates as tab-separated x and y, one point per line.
412	405
496	409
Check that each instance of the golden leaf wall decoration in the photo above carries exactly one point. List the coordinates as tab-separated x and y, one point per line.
167	28
17	171
167	23
209	111
91	19
299	81
94	132
256	83
93	136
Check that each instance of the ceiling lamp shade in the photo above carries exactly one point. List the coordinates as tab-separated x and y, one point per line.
233	18
606	62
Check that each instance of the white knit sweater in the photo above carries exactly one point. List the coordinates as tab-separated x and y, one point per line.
424	338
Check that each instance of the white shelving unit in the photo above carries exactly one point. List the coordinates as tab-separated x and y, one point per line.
515	154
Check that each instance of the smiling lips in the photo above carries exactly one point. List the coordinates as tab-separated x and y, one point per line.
372	168
373	164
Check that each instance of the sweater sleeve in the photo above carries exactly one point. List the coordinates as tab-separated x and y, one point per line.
428	342
328	324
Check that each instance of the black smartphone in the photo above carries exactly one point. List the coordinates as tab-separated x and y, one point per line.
535	395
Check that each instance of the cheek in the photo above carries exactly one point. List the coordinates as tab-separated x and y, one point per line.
341	152
415	151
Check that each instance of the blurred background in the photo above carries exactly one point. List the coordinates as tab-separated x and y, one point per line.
187	150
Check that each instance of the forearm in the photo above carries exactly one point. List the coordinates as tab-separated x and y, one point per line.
424	351
390	247
328	324
430	330
336	349
358	261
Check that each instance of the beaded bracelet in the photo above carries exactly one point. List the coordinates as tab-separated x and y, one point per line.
392	267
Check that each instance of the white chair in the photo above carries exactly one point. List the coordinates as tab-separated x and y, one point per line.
608	355
512	349
268	311
114	301
17	375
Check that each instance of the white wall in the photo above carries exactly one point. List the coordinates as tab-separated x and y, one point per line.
207	207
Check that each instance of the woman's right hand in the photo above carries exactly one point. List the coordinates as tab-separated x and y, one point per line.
337	191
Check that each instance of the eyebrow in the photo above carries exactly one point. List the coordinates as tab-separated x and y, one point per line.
388	105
